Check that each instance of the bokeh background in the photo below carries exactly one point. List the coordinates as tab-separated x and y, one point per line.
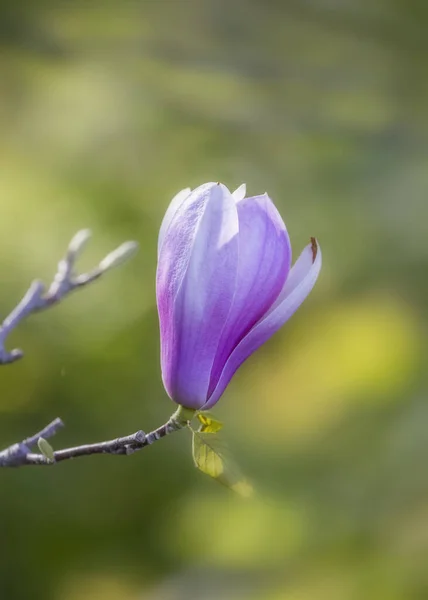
107	109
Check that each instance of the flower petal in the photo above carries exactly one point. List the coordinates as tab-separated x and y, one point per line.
176	245
264	263
195	288
175	204
298	285
239	193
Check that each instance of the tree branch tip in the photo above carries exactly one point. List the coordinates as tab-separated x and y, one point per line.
7	358
16	353
119	255
37	284
79	241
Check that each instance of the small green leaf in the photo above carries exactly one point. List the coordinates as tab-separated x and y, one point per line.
208	423
46	449
207	455
210	455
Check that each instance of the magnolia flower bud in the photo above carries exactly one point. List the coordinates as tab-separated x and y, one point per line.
224	286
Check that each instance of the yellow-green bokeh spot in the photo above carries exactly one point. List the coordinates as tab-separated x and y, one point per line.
263	532
365	350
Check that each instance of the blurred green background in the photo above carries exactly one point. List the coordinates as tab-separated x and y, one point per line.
107	109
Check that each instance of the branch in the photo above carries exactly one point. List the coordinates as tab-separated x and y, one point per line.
36	299
64	282
19	455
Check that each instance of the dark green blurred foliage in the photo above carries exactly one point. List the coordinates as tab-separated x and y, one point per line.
107	109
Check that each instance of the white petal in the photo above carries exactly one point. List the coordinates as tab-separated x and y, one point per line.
239	193
175	204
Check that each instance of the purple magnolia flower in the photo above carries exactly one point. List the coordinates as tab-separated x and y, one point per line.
224	286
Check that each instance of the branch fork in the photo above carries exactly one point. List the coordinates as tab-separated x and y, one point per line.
38	298
64	282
